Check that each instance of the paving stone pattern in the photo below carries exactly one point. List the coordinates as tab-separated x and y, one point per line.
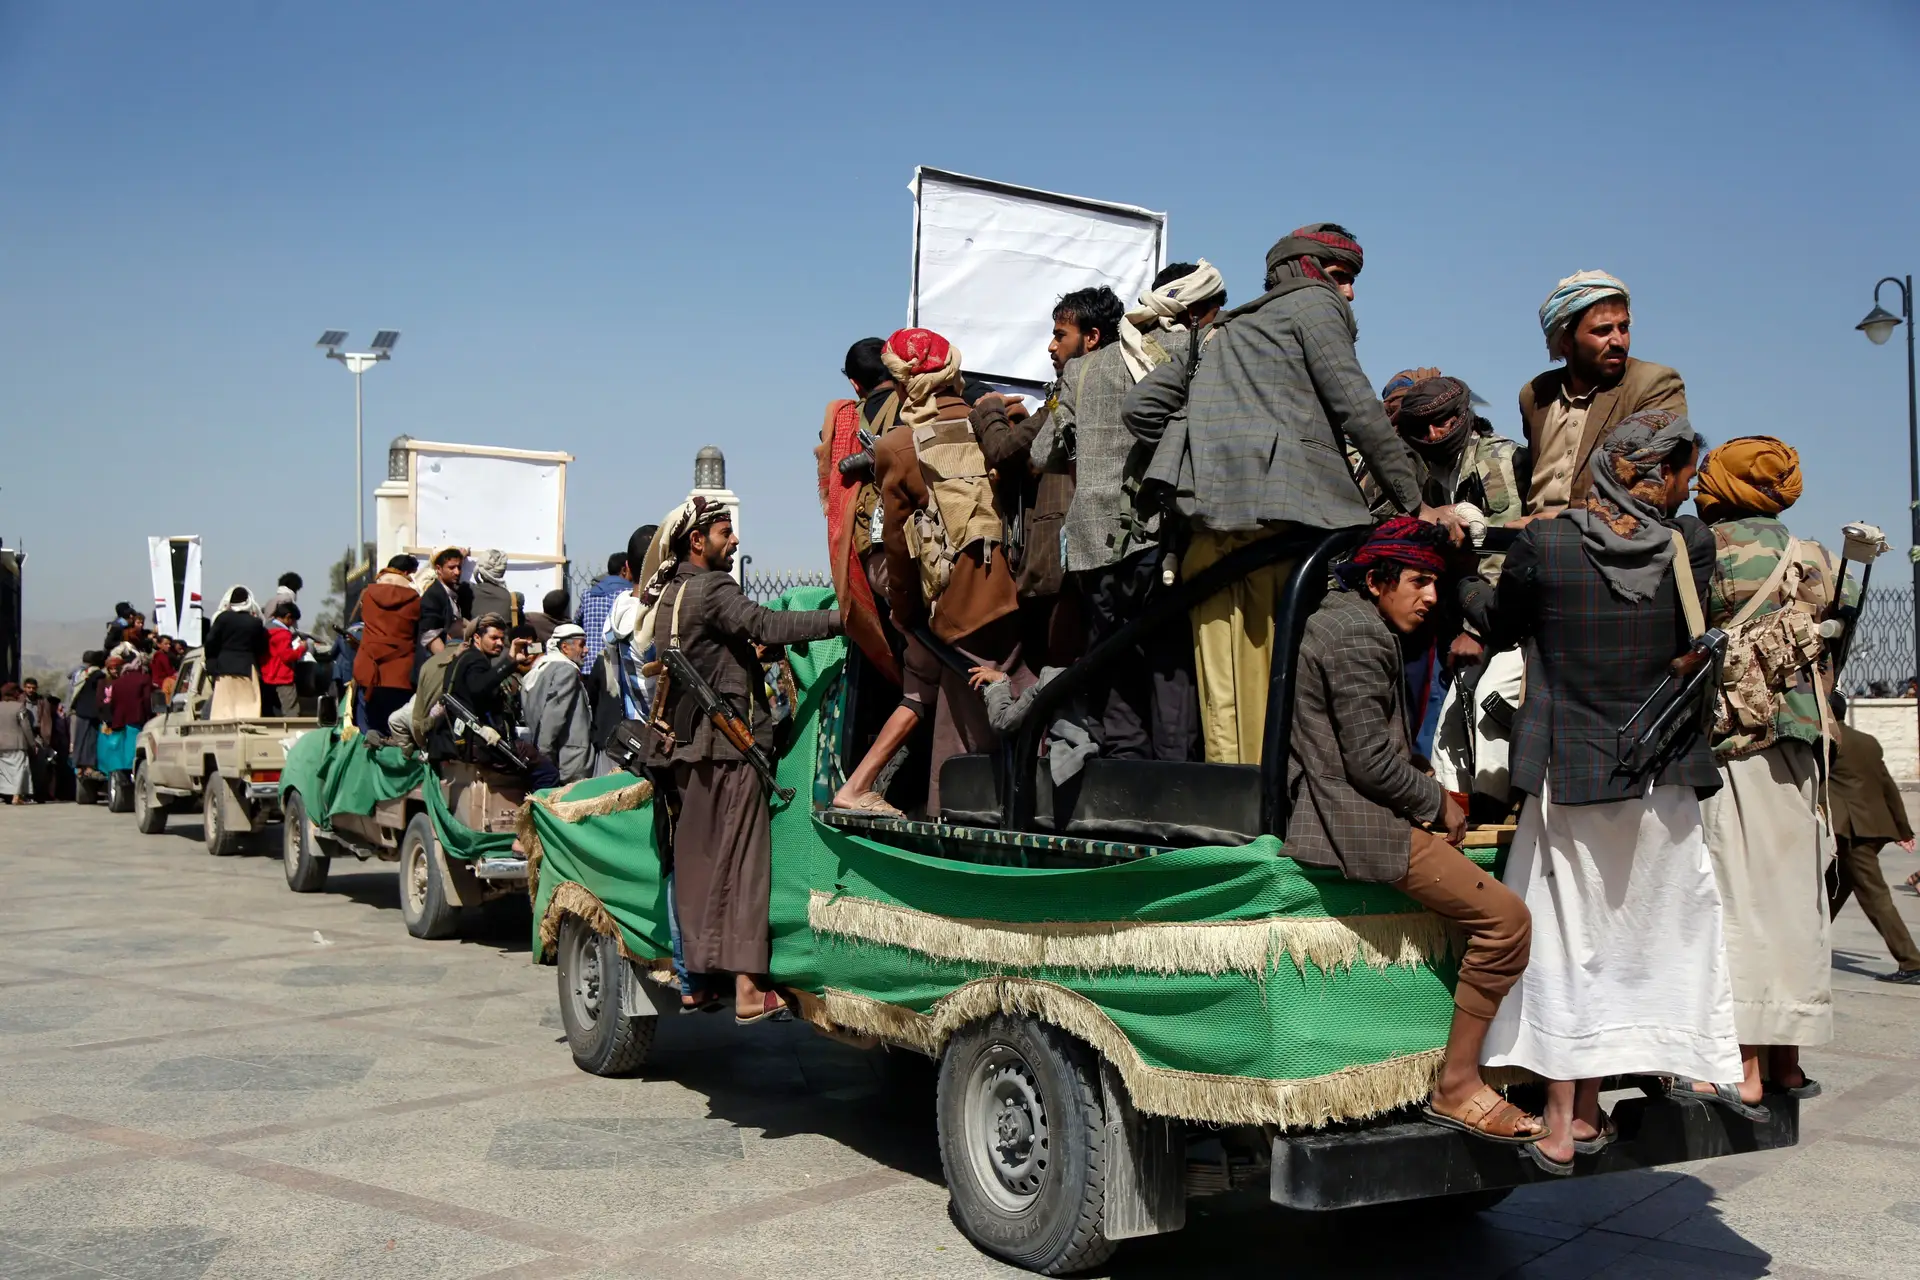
192	1086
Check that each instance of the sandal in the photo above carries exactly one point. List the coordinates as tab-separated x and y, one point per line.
1546	1163
1608	1135
1490	1117
1807	1088
772	1009
1723	1095
871	802
700	1000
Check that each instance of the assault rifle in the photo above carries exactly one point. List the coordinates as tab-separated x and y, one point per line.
715	708
469	727
1685	699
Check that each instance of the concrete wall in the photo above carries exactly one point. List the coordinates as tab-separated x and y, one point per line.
1894	722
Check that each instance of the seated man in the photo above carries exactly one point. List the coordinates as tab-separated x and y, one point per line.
1360	806
479	679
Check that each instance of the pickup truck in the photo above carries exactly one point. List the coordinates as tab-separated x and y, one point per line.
229	768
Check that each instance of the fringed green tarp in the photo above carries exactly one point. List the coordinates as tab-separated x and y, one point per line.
342	773
1226	984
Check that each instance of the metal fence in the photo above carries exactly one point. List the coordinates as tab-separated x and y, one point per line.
764	586
1880	661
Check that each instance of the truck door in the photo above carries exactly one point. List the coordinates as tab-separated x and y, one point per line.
171	748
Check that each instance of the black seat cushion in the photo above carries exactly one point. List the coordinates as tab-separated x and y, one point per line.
1175	804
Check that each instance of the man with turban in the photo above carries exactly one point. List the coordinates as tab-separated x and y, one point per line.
1142	707
946	566
1770	592
1567	412
1628	973
1360	805
1247	445
723	838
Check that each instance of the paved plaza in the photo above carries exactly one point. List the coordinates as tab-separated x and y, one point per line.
204	1075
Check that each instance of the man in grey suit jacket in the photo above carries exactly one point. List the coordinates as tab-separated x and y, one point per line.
1143	708
1360	806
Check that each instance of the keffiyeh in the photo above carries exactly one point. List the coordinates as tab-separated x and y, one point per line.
1622	525
1165	308
1404	540
923	363
1754	475
1307	250
1569	298
663	559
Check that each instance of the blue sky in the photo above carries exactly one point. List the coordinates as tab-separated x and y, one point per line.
629	230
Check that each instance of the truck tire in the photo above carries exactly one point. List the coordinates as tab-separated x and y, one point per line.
86	789
120	792
149	812
306	868
221	817
1023	1143
423	897
605	1036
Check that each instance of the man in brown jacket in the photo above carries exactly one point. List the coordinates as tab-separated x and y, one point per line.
1567	412
389	631
723	838
1868	811
977	611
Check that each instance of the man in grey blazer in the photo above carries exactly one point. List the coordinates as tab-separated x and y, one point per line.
1360	806
1144	707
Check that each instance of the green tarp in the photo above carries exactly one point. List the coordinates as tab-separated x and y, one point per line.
1228	984
342	773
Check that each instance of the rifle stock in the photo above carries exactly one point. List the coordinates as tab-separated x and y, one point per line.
730	725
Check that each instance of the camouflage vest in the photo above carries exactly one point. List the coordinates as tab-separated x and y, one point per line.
961	511
1766	653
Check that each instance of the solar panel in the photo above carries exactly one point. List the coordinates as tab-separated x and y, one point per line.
384	340
332	338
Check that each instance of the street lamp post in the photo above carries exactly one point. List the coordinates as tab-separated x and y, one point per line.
357	363
1879	326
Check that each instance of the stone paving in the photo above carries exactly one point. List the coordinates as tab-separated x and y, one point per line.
192	1084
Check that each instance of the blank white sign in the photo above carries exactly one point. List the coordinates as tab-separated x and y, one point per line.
480	501
990	259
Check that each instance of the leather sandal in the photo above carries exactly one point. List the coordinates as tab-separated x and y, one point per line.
1490	1117
1723	1095
1600	1141
871	802
772	1009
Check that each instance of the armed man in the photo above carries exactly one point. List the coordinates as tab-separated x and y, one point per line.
723	840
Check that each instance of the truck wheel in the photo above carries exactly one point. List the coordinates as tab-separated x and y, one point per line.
306	870
423	898
221	817
86	789
120	792
1023	1143
605	1037
149	815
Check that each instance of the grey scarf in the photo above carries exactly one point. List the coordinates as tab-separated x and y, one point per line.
1623	524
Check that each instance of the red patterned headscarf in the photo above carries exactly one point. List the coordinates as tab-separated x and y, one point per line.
1305	251
922	362
1406	541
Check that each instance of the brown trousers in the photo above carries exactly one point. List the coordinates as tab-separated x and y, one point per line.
723	867
1498	926
1857	872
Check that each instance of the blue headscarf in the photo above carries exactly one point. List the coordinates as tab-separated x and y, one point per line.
1569	298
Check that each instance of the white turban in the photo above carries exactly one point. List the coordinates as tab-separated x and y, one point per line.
1165	308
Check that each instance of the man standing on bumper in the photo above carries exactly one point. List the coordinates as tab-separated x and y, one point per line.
1257	453
1359	804
723	841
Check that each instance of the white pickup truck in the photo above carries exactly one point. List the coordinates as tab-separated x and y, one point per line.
230	769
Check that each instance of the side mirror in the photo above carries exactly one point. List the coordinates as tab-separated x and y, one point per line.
328	711
159	701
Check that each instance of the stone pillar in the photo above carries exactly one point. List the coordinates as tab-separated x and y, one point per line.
710	482
392	515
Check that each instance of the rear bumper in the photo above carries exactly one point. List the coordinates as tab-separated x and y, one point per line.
262	792
1414	1160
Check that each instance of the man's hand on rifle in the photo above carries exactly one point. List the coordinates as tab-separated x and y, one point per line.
1465	651
1447	518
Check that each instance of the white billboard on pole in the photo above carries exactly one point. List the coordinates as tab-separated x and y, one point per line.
477	497
990	258
175	567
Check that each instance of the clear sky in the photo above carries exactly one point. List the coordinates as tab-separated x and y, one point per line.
629	230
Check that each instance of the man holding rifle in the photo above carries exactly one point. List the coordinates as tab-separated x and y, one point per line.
723	842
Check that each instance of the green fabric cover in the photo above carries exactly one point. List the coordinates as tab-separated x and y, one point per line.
336	774
1292	1024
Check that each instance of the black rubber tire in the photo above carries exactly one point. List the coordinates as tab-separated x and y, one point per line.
120	792
1059	1231
219	809
86	790
149	813
306	868
423	899
604	1035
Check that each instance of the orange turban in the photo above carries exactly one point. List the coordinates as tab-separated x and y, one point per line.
1754	475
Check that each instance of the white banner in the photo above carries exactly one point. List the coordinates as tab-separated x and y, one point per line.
174	564
990	259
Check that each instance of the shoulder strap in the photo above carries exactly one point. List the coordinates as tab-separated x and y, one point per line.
1689	590
1771	585
679	598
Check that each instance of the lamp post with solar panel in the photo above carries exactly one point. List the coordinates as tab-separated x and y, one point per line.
1879	326
357	363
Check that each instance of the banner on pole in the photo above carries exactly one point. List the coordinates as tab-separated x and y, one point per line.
175	565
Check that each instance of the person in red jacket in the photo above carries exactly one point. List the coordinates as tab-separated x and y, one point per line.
390	626
284	648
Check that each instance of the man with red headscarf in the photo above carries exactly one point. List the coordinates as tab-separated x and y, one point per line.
1257	452
946	564
1359	805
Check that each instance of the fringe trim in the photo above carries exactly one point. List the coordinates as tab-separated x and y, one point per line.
573	899
1352	1093
1252	947
618	800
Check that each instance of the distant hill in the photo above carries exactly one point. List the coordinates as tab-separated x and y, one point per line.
57	646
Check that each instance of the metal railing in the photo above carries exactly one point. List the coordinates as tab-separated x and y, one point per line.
765	585
1880	661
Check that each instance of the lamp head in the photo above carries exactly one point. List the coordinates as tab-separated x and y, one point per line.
1879	325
